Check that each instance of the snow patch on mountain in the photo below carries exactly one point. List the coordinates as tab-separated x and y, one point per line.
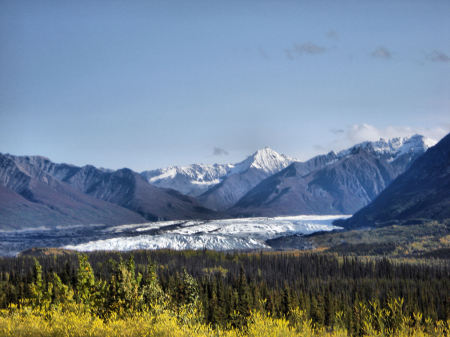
191	180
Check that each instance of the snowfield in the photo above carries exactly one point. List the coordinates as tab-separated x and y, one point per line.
229	234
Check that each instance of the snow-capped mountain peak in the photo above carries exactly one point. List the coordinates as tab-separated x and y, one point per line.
416	143
266	160
196	179
394	147
234	180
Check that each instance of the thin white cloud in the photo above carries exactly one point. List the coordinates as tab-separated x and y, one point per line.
362	132
358	133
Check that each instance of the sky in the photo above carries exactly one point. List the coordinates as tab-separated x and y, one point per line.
148	84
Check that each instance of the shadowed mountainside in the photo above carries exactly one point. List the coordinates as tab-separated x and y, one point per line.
332	184
37	199
421	193
37	192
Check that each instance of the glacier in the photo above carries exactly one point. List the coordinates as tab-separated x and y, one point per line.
229	234
224	234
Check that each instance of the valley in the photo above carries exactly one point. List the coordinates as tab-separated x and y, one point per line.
224	168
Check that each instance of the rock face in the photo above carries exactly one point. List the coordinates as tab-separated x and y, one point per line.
243	177
37	192
335	183
420	193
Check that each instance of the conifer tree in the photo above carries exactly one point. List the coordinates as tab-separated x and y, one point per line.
151	290
61	293
85	287
123	294
37	286
286	301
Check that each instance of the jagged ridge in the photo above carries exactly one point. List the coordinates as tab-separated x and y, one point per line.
334	183
421	193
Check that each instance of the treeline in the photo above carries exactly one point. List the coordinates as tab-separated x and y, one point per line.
227	287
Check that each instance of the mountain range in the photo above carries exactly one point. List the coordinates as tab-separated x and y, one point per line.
191	180
37	192
270	184
256	187
420	194
220	186
339	183
243	177
35	198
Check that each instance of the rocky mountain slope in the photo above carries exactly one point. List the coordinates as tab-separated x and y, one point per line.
35	198
130	190
338	183
243	177
35	188
421	193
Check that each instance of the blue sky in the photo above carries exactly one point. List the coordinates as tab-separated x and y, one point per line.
147	84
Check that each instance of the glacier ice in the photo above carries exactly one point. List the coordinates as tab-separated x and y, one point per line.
228	234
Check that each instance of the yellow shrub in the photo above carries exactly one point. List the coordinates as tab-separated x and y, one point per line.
74	321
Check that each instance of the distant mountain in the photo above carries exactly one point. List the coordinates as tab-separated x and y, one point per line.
399	151
243	177
36	191
191	180
130	190
393	148
30	198
197	179
335	183
421	193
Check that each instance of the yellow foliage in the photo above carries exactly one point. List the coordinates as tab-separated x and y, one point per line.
72	320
